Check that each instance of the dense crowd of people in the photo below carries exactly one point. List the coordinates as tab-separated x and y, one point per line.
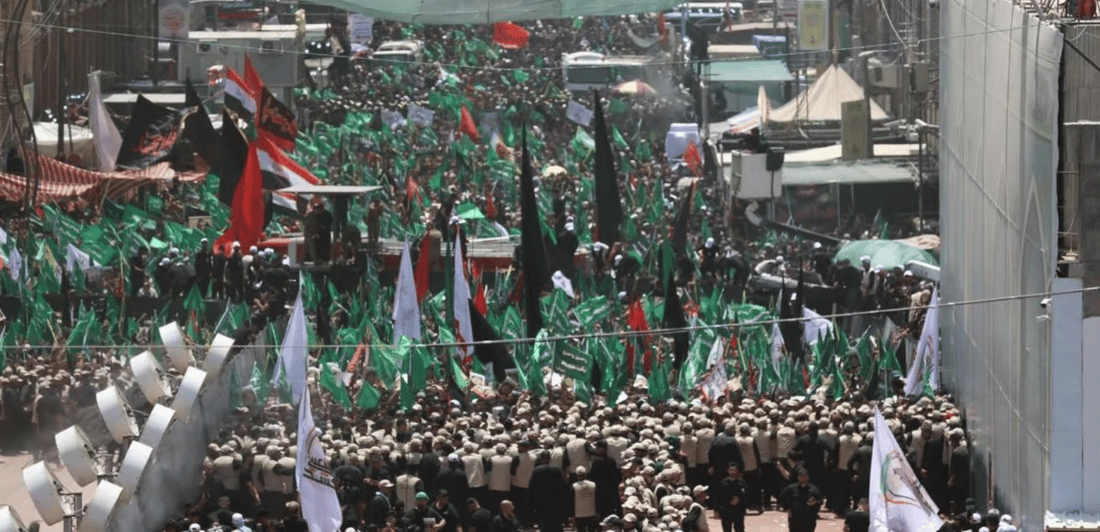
504	459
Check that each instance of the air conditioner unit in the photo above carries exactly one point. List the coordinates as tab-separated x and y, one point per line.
888	77
271	47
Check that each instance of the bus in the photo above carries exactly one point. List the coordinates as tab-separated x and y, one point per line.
707	15
584	71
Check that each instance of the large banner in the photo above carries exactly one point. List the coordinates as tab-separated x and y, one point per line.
813	25
174	19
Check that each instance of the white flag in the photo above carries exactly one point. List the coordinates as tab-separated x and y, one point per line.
815	327
320	507
3	236
464	329
406	309
715	383
294	351
561	281
393	119
73	255
421	115
15	265
107	138
578	113
778	345
927	359
897	501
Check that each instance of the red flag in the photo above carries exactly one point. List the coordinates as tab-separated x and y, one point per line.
411	188
630	356
480	302
423	267
355	358
246	216
468	127
490	207
635	318
510	36
661	29
252	80
693	159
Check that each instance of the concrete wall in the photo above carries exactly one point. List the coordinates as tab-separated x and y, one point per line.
173	478
999	72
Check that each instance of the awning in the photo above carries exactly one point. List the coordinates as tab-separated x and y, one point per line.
866	172
757	71
58	181
488	11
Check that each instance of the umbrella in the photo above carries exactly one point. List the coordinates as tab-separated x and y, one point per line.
885	253
634	87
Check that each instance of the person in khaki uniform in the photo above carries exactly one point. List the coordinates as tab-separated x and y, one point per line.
584	515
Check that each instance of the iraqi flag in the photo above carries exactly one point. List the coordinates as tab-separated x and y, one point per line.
240	97
280	171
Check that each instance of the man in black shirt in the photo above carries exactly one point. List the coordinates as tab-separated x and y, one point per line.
381	505
234	274
506	520
802	501
204	264
731	503
478	519
548	494
137	272
444	507
424	518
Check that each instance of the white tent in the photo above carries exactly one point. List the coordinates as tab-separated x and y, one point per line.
822	101
77	140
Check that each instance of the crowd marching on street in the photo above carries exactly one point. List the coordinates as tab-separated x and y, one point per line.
655	437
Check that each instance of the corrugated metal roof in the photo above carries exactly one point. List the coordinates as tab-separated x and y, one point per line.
760	71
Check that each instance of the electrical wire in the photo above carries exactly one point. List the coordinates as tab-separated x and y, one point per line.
619	334
869	47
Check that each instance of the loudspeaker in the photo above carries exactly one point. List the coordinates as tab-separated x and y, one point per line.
45	492
116	414
102	507
148	373
217	354
178	353
160	420
78	454
188	393
775	159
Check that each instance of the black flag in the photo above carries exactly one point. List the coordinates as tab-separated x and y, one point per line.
234	153
198	129
680	230
790	330
609	209
496	354
150	135
536	274
674	319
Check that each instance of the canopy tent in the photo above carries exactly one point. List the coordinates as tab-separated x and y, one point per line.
489	11
822	101
885	253
59	181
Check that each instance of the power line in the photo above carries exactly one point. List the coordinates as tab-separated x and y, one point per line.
617	334
869	47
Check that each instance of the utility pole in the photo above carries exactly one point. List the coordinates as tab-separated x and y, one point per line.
61	37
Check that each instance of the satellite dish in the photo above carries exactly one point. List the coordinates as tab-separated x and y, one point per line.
137	459
78	454
9	520
101	508
178	352
217	354
116	414
160	419
148	373
45	492
188	393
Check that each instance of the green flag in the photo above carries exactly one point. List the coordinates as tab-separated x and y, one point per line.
368	398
